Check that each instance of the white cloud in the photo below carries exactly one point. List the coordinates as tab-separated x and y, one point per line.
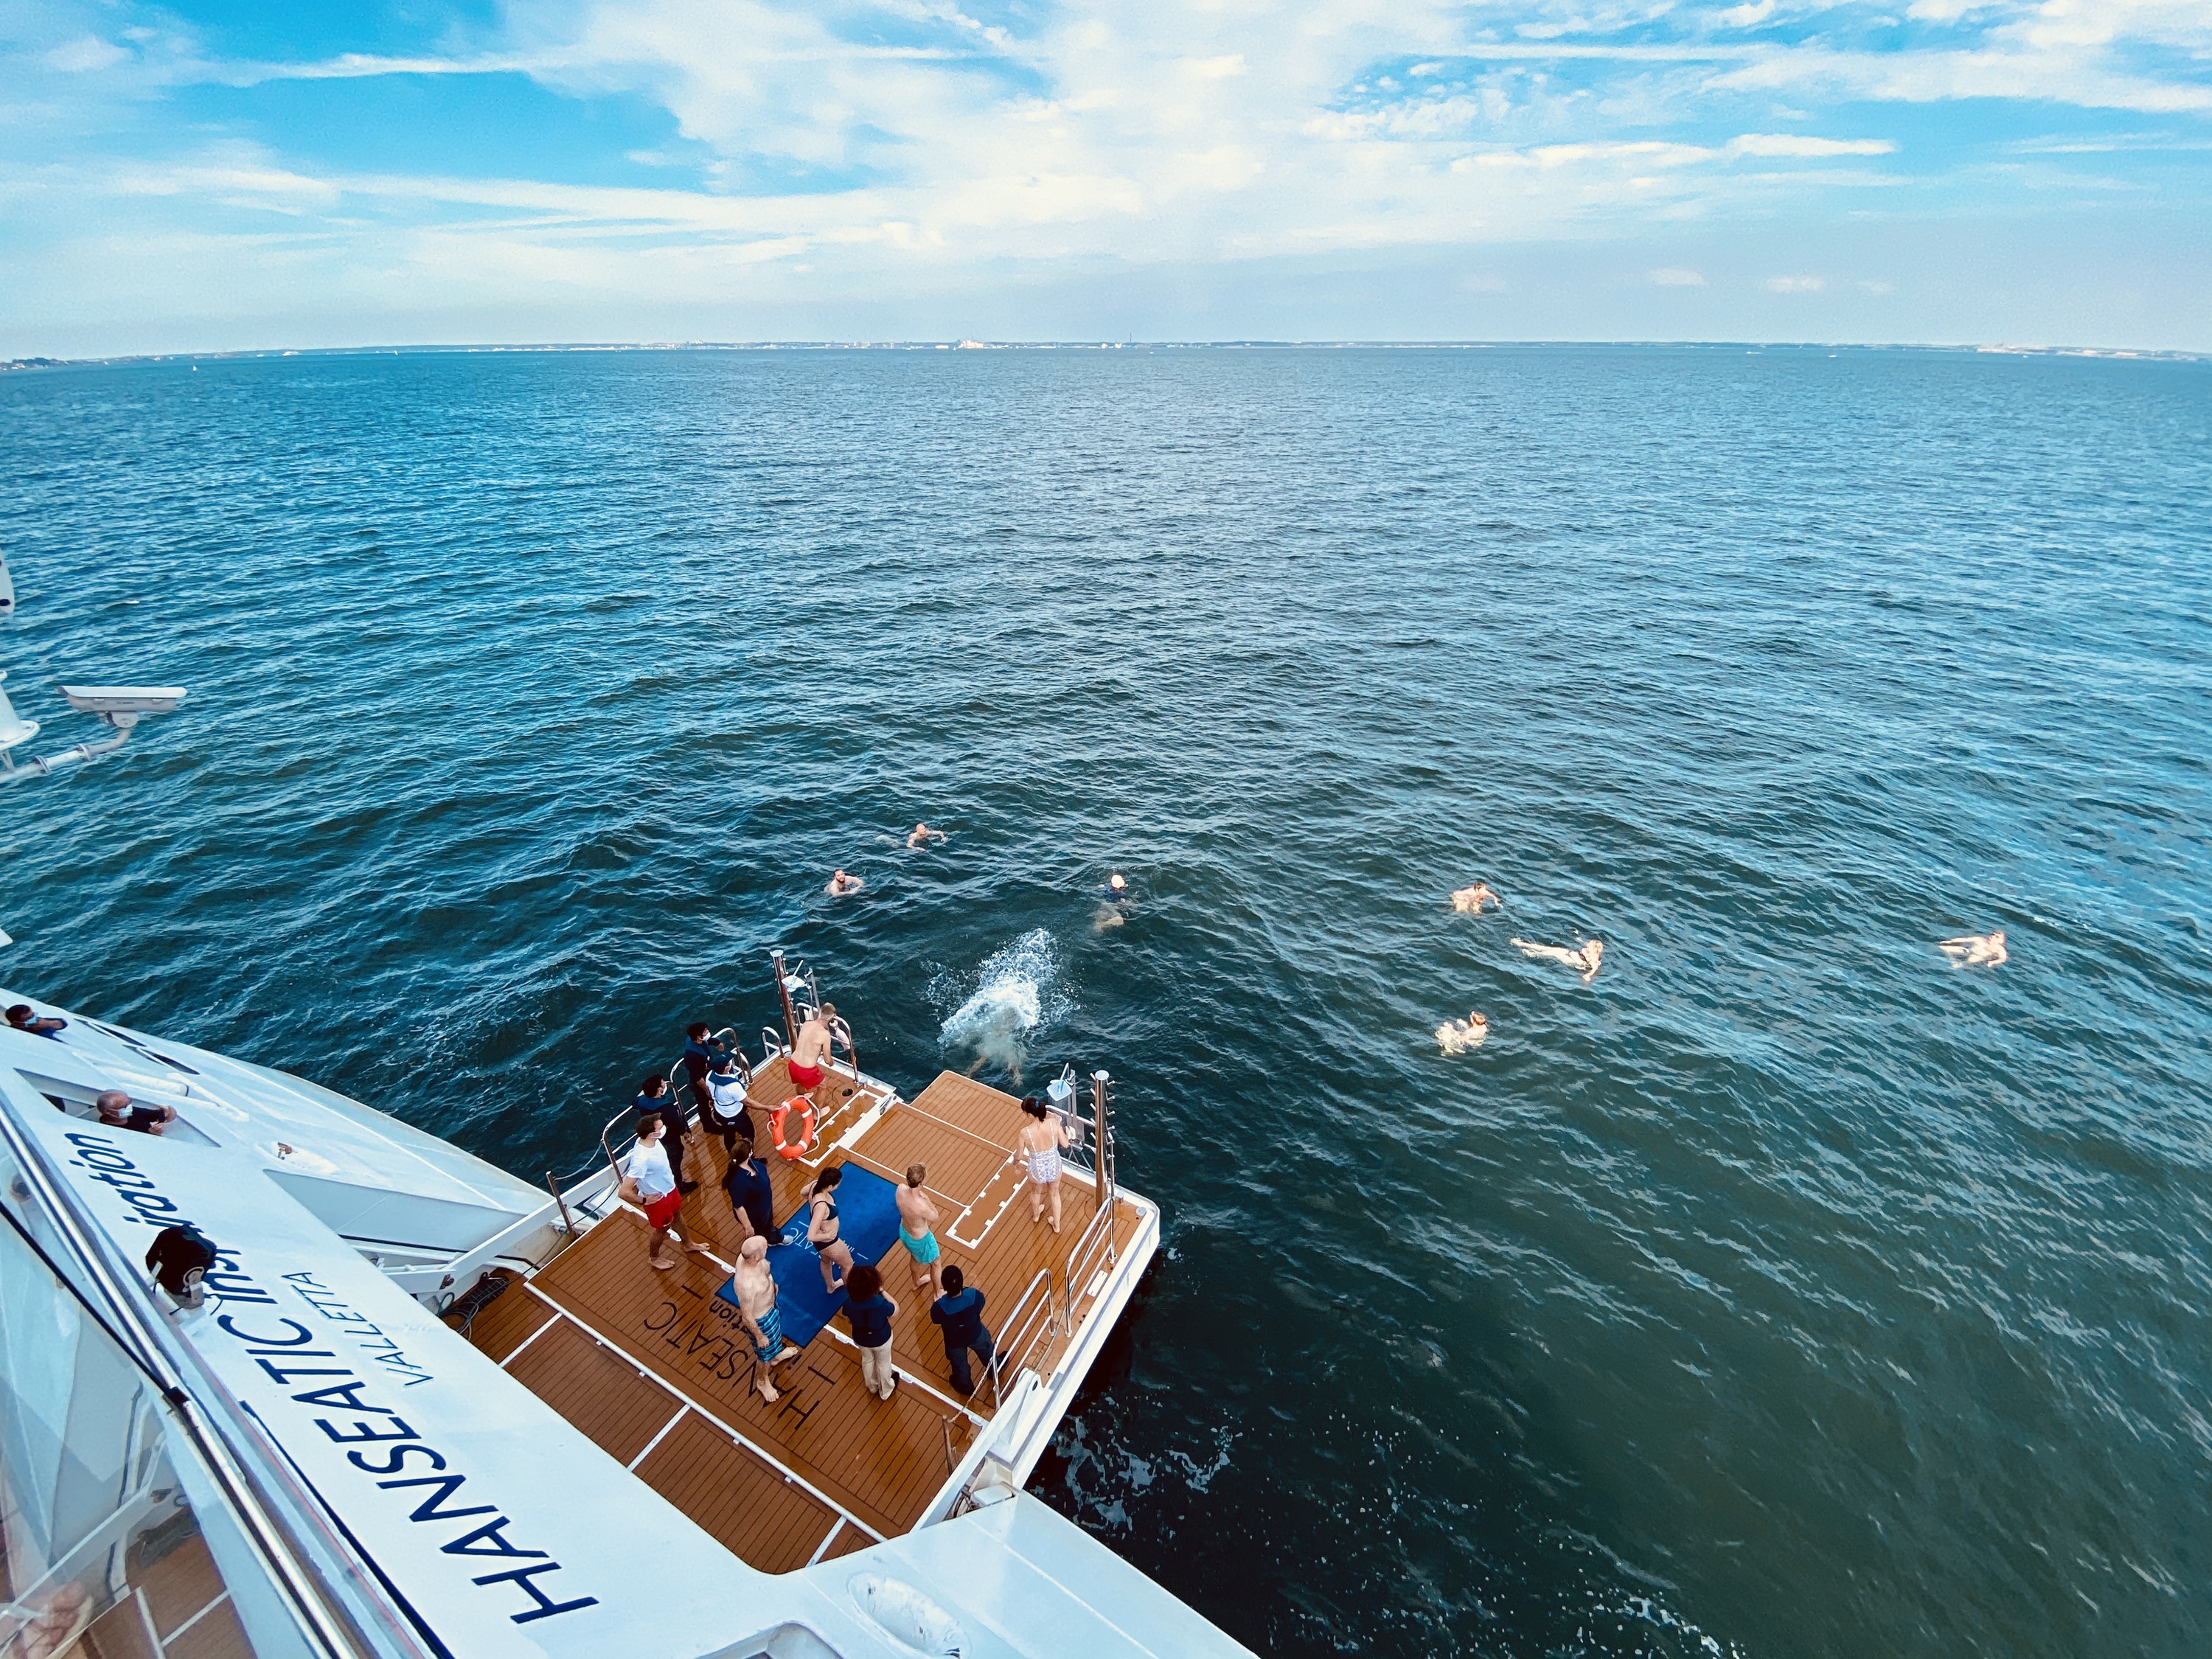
1128	132
1795	284
1787	143
86	53
1927	77
1745	17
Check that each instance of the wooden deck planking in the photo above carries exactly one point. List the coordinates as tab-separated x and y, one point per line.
955	1119
879	1462
179	1585
504	1327
216	1634
957	1170
601	1393
759	1516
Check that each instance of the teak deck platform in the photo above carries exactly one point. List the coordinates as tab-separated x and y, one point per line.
656	1369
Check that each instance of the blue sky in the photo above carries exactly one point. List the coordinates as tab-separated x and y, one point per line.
219	176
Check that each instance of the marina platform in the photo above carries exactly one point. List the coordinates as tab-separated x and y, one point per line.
656	1369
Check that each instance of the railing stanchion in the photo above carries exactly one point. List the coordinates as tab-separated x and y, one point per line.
1102	1156
783	994
567	1222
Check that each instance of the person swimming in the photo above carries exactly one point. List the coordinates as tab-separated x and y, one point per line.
1584	961
1975	949
842	885
1456	1036
923	835
1117	887
1470	900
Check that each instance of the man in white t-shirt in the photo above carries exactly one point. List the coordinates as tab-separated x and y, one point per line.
649	1184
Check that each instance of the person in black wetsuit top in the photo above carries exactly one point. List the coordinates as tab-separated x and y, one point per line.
960	1312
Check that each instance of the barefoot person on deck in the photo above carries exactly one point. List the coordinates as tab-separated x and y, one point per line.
917	1215
754	1285
1039	1143
811	1051
823	1228
647	1182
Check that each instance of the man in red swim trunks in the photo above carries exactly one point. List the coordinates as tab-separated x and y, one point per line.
648	1183
811	1051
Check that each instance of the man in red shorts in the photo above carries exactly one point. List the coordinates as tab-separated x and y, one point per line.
811	1052
648	1183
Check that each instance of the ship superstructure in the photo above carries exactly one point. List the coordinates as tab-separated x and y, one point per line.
318	1459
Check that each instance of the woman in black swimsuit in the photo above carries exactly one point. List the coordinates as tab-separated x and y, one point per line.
821	1225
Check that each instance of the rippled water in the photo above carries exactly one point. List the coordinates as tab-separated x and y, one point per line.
1784	1292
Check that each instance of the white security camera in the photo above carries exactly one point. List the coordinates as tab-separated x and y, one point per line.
110	700
119	708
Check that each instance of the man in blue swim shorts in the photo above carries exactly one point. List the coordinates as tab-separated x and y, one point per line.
754	1288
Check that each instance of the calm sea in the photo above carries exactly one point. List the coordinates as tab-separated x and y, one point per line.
1783	1292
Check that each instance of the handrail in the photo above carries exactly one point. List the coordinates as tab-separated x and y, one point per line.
320	1612
1011	1351
979	1451
1082	1258
838	1028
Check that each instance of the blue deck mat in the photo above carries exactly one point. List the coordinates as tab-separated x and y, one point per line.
867	1220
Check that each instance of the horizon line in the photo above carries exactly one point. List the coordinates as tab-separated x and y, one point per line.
1085	343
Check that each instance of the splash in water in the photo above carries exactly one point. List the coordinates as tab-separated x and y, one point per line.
1016	990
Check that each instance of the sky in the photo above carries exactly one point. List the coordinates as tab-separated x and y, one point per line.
215	175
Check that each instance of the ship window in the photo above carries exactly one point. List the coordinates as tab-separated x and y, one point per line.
103	1549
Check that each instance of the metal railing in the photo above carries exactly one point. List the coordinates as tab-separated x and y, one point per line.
312	1569
1035	1318
628	1113
1094	1249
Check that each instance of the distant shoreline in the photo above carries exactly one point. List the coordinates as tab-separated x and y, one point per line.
257	354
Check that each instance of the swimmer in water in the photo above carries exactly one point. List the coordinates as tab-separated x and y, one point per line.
1470	900
842	885
1583	961
1456	1036
1109	914
1974	950
923	835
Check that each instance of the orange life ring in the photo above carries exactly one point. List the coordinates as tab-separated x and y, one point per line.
781	1115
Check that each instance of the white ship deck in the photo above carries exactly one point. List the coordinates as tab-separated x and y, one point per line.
587	1470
